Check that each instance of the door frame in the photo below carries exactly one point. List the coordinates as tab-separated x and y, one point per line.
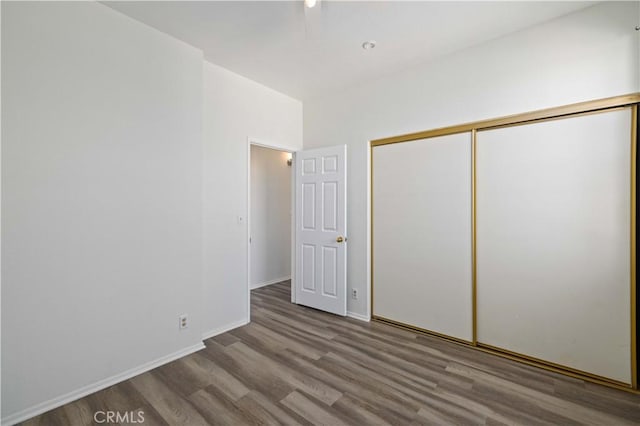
283	148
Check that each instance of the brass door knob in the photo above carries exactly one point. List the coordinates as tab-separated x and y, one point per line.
340	239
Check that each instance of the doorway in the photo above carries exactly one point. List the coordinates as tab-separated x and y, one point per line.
270	215
296	225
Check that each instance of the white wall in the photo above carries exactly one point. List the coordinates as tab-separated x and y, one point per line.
270	217
235	109
591	54
101	199
103	194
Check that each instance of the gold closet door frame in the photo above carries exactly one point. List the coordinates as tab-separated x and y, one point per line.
630	101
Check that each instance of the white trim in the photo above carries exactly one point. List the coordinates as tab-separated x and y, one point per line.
211	333
368	241
359	317
43	407
248	225
266	283
268	144
293	227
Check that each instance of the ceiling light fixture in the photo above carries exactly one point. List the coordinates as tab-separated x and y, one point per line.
368	45
309	3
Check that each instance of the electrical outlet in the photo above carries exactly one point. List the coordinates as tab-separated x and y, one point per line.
354	293
183	321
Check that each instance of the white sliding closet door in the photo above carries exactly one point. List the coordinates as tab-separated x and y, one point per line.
553	241
422	234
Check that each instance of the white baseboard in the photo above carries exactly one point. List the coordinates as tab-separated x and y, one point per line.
95	387
358	316
224	329
277	280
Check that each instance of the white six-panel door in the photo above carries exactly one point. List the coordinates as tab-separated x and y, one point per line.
321	226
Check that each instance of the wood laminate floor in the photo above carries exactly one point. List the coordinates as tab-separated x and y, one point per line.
295	365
